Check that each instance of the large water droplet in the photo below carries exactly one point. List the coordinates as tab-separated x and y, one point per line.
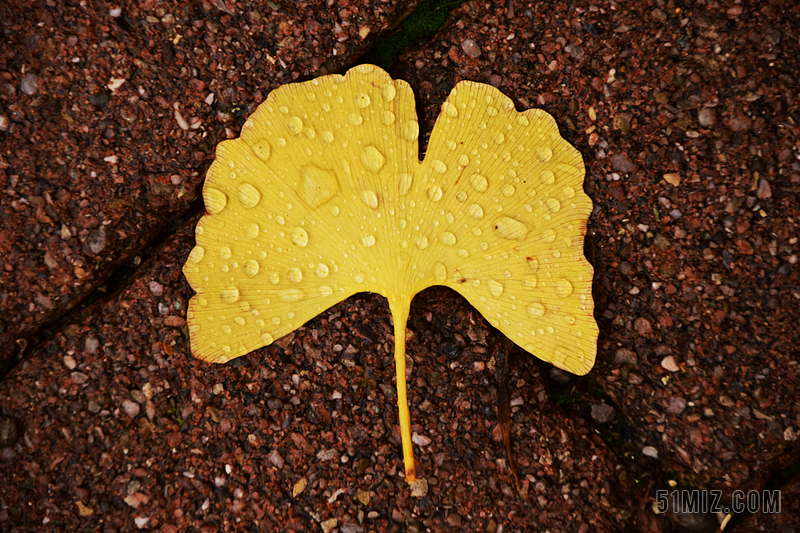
491	110
537	309
447	238
475	211
499	138
300	237
321	271
225	252
317	185
544	154
274	278
248	195
225	329
548	235
387	118
291	295
196	254
553	204
361	100
388	92
533	264
215	200
279	219
434	193
463	160
509	190
421	242
326	136
368	240
325	291
569	192
547	177
522	120
355	119
262	149
530	282
239	321
511	229
267	339
251	268
495	288
295	275
450	109
202	302
479	183
563	287
370	199
295	125
404	183
410	130
229	295
440	273
372	159
438	166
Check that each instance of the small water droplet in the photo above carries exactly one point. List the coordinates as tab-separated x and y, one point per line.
283	109
563	287
438	166
274	278
522	120
215	200
295	275
421	242
461	196
410	130
300	237
202	302
276	321
372	159
530	282
279	219
197	254
450	109
326	106
280	141
325	291
544	154
404	183
463	160
495	288
569	192
295	125
491	110
547	177
450	218
509	190
447	239
475	211
251	268
267	339
359	277
226	329
388	92
434	193
548	235
368	240
248	195
321	271
262	149
355	119
370	199
537	309
570	320
387	118
225	252
440	273
556	254
239	321
479	183
229	295
361	100
326	136
335	210
291	295
252	230
511	229
499	138
553	204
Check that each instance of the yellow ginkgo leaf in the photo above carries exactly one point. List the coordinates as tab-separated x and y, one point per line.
323	196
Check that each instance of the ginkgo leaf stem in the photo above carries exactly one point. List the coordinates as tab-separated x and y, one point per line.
400	309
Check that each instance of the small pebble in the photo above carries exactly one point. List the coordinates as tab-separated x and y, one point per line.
603	413
649	451
420	440
131	408
156	288
69	362
668	363
676	405
626	357
8	431
29	84
556	374
276	459
471	48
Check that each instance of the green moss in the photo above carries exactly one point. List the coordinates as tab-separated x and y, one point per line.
419	26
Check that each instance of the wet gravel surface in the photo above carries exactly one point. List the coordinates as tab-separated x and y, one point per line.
687	120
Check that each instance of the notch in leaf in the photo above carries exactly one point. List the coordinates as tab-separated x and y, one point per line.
323	196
